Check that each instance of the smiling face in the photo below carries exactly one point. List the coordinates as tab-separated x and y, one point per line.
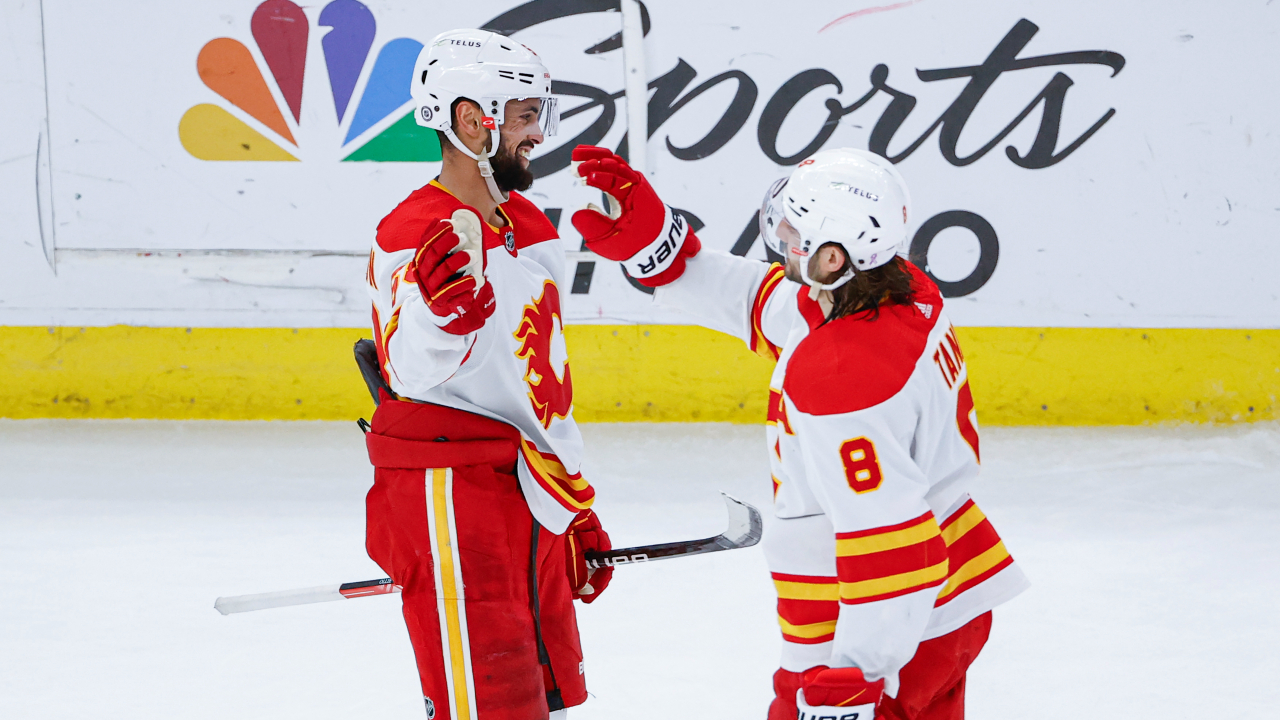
520	131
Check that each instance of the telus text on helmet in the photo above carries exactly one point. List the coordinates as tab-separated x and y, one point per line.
856	191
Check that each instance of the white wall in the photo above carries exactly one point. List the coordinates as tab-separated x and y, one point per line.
1166	217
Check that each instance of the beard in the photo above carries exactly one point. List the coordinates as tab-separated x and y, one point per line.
508	172
791	270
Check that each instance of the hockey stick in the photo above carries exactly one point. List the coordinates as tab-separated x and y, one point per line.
745	529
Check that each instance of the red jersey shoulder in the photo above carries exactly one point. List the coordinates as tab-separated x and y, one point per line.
403	227
858	362
531	225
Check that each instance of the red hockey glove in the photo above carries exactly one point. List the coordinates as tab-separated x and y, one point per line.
824	690
585	534
645	235
450	293
841	693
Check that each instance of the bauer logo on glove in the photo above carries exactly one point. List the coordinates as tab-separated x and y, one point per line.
638	230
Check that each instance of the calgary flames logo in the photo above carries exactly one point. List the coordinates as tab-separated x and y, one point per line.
541	337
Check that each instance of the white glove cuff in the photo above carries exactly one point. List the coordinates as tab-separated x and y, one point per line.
830	712
663	251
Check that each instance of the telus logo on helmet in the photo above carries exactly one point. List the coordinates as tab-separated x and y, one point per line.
282	33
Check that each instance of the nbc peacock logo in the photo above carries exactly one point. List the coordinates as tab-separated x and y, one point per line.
260	115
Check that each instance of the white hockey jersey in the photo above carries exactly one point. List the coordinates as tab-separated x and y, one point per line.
515	368
873	444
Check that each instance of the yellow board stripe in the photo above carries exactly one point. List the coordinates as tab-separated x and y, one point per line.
788	590
449	591
975	567
914	535
963	524
807	631
629	373
893	583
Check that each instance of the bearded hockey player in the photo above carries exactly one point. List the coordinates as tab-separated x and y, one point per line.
886	570
478	508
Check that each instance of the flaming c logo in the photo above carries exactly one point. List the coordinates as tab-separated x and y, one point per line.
541	337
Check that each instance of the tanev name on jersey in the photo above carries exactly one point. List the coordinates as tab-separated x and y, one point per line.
260	129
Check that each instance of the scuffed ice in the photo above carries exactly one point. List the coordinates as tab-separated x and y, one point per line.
1153	553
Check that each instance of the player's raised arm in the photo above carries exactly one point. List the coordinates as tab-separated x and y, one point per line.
740	297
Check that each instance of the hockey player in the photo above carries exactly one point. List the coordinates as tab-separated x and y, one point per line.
478	509
885	569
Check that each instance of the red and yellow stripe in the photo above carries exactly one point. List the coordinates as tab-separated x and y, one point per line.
887	562
760	344
569	489
975	550
808	607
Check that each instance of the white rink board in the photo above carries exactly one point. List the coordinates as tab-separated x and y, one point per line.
1165	217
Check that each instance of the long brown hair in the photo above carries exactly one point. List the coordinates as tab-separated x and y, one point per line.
868	290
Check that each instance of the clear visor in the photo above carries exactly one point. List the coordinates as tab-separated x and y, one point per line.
771	216
549	118
548	115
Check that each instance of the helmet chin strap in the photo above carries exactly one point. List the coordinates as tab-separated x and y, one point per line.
482	160
817	286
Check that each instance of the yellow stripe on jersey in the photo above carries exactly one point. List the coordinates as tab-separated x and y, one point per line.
958	527
813	630
857	591
975	567
925	530
788	590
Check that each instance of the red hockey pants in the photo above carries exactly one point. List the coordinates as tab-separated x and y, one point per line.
931	685
446	520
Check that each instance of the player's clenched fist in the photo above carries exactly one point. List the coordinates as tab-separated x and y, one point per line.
586	535
638	230
449	267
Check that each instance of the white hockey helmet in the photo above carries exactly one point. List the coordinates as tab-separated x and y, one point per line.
771	215
853	198
489	69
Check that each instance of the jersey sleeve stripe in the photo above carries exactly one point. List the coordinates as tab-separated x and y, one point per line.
866	542
811	634
974	549
807	607
856	593
961	522
975	571
569	489
759	343
828	589
890	561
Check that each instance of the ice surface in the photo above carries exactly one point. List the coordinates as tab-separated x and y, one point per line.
1154	554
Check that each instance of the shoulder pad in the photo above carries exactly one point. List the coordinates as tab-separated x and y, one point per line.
858	362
